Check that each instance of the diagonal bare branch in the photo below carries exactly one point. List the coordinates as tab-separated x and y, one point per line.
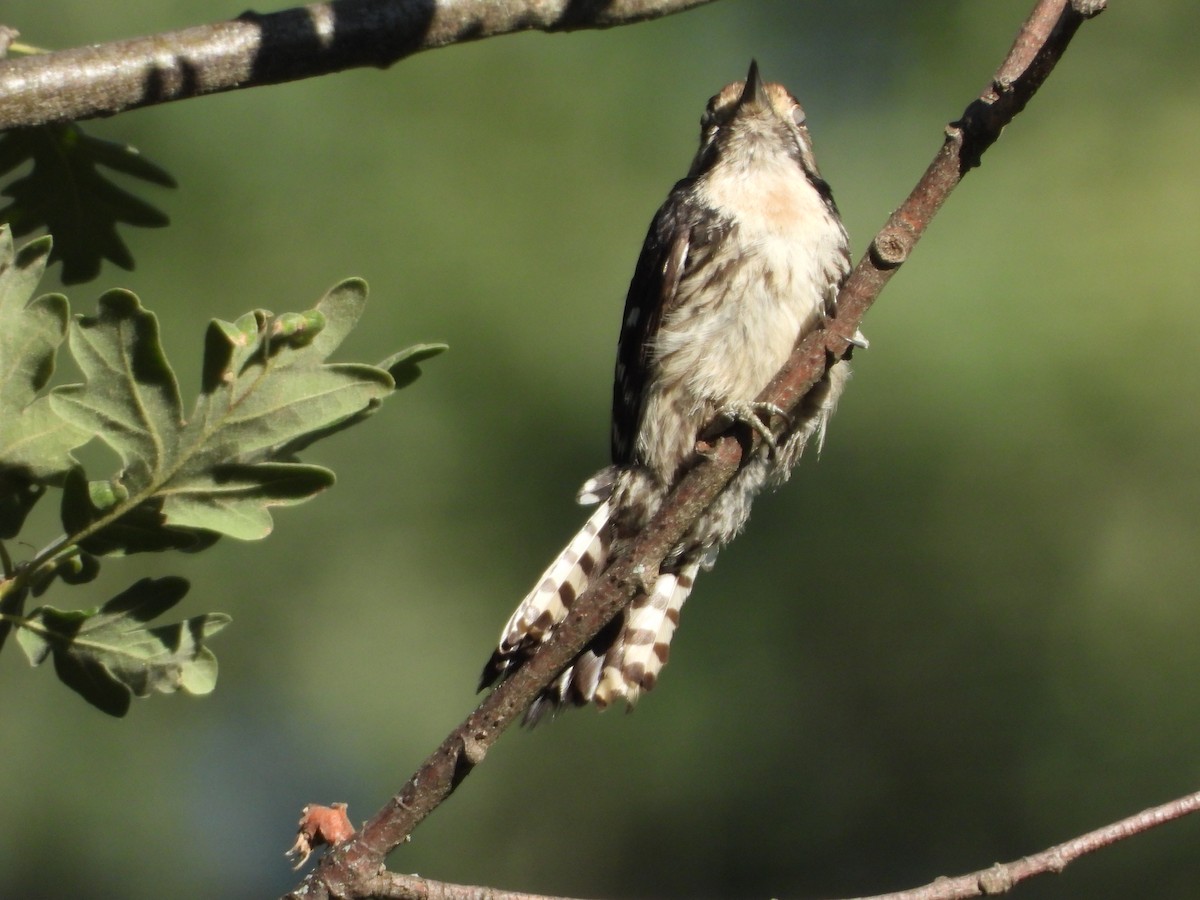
1039	45
259	49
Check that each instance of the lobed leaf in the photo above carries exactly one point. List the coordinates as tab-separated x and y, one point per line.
35	442
131	398
108	655
233	500
132	527
266	392
405	366
67	193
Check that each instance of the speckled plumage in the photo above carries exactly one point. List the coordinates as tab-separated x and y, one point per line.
743	259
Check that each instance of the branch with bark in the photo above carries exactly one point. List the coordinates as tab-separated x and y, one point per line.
258	49
356	867
997	879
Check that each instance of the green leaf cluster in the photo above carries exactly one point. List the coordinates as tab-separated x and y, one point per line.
108	657
266	393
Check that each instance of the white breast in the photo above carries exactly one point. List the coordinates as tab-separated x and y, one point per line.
739	317
742	305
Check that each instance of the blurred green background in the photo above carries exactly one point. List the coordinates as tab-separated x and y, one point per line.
967	632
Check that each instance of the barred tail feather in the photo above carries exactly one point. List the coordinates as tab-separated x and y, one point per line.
639	654
598	487
550	601
625	658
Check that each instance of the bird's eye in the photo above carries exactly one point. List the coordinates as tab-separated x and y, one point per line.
798	115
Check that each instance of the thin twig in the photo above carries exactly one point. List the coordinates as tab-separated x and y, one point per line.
997	879
255	49
393	886
1002	877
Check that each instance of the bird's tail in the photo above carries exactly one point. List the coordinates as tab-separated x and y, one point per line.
549	602
625	658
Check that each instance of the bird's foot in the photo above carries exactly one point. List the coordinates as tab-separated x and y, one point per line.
754	414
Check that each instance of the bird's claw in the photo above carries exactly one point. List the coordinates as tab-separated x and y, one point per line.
757	415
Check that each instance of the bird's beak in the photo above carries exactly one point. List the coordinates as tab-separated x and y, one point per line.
754	92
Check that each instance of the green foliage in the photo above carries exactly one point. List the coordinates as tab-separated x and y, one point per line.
68	194
35	443
107	657
266	393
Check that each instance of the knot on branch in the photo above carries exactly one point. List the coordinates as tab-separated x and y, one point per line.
471	751
996	880
891	247
1056	861
1089	8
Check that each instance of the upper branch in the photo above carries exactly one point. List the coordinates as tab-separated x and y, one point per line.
256	49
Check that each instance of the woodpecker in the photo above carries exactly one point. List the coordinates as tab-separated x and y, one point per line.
741	262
